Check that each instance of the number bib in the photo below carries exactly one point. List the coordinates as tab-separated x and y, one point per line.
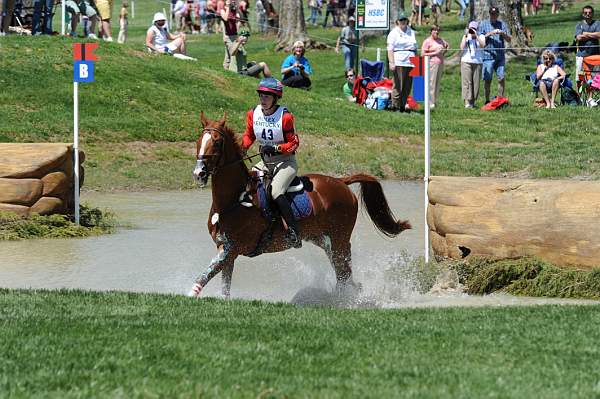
268	130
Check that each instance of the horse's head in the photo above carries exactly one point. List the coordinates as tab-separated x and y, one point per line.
216	147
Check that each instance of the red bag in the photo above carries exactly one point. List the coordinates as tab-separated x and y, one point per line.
496	103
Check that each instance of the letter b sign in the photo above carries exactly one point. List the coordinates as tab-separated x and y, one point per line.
83	71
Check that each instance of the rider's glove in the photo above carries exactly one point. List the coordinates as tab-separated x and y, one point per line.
268	150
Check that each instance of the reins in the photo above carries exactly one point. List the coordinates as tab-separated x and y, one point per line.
230	163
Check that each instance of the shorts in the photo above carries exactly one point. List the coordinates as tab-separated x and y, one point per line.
491	66
104	9
74	8
252	69
548	83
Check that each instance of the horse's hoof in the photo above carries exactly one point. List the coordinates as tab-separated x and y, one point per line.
195	291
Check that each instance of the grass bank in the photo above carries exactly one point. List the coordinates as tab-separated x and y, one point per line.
84	344
139	119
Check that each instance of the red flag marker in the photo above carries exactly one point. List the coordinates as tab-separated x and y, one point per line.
419	64
84	51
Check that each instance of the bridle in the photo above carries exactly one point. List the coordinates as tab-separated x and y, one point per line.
221	143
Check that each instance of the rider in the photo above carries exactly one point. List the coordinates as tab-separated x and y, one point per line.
273	126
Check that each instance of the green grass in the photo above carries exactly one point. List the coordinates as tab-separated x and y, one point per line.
139	119
85	344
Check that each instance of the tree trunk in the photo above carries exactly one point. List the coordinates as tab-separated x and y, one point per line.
291	25
558	221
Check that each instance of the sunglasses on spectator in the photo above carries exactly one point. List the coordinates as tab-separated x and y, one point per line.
587	13
350	76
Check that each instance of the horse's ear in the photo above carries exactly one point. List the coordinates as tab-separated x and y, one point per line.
203	119
223	120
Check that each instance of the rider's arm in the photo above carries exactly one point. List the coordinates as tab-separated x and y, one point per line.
291	138
249	136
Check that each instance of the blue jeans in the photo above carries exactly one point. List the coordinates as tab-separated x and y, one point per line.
37	16
349	56
313	15
463	6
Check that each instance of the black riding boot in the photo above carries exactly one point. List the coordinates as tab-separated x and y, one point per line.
293	234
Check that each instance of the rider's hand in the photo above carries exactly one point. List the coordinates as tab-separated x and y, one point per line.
268	150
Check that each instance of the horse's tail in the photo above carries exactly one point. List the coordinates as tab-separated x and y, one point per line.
373	198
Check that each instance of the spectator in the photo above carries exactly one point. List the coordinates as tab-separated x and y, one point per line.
211	15
436	11
312	5
435	47
78	7
261	16
296	69
528	8
555	6
105	11
239	61
471	61
229	28
36	28
587	33
123	24
496	33
243	21
200	15
330	10
178	10
347	39
549	76
401	45
7	8
347	87
158	36
463	4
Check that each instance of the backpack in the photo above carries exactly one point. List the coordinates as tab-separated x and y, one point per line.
496	103
568	96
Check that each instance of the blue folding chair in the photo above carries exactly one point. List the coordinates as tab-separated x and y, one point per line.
374	70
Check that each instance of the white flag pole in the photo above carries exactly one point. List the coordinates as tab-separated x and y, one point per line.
76	149
62	14
132	9
426	177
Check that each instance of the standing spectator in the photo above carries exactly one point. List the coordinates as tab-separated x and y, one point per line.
295	69
7	8
312	5
435	47
243	13
38	5
201	15
78	7
178	10
471	60
123	24
401	45
496	33
587	33
463	4
229	22
261	16
347	39
555	6
436	11
239	62
347	87
549	76
211	15
529	8
159	39
105	11
330	10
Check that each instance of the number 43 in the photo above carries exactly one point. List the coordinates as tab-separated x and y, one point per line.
264	134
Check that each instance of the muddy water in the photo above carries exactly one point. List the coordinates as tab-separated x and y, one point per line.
168	246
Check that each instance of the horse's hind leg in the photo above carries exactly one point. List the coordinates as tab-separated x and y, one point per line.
340	255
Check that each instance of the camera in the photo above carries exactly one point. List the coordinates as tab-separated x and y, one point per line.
244	33
472	31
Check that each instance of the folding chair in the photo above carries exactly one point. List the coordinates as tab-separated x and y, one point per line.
373	70
590	83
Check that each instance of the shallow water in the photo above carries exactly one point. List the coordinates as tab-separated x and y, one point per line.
168	247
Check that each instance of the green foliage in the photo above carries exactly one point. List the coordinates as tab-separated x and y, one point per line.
527	276
93	221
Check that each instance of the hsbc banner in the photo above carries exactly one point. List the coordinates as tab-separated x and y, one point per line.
372	14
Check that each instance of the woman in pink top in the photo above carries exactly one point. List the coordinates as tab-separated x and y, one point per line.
435	47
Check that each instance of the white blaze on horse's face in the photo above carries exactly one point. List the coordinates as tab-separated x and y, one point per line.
201	172
207	136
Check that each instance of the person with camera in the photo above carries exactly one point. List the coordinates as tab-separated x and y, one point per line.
229	19
549	76
296	69
496	34
160	40
239	61
471	60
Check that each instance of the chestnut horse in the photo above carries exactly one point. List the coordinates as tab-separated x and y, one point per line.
237	230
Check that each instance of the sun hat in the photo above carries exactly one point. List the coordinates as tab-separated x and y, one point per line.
473	25
159	16
351	18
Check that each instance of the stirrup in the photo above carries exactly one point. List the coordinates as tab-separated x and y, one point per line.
292	237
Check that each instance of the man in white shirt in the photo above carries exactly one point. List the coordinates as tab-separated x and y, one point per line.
401	45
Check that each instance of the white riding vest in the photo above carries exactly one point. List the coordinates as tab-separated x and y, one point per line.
268	130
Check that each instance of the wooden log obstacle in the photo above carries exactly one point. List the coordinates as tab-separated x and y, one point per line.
37	177
555	220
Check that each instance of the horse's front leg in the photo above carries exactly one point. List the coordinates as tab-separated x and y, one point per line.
223	261
226	279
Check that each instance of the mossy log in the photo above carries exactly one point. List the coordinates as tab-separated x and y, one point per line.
555	220
37	177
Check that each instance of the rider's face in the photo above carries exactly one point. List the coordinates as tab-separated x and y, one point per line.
266	100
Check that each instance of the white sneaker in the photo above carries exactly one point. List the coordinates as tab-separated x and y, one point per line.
108	39
592	103
92	36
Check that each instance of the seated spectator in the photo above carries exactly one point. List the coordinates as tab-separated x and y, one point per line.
347	88
549	75
239	61
78	7
157	37
295	69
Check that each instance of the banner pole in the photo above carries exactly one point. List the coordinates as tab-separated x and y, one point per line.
76	149
426	177
63	15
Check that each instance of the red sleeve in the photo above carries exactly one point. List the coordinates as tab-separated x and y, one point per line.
291	138
249	136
